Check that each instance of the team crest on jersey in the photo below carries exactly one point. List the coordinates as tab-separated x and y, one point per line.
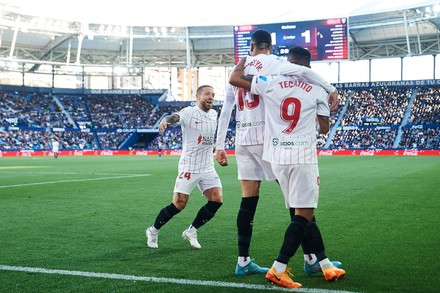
206	140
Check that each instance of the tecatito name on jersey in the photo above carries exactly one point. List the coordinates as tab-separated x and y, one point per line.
198	134
250	108
291	108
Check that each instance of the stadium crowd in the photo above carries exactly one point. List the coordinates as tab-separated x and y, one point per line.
371	119
423	131
366	119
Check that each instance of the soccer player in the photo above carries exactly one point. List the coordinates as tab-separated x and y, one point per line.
249	138
196	166
55	147
159	147
301	56
291	108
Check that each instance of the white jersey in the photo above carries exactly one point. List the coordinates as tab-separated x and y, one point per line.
198	131
55	146
291	108
250	108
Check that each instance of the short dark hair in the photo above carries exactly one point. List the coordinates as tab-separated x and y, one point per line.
262	39
300	51
200	88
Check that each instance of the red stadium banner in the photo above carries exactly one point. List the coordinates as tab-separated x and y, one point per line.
80	153
379	152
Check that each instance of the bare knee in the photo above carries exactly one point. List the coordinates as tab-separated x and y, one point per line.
250	188
180	200
214	194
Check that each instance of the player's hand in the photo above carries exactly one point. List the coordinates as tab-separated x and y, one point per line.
221	157
241	62
162	126
333	100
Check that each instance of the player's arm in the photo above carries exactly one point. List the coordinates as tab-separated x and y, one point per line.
238	78
323	124
323	114
333	100
223	124
224	118
170	119
292	69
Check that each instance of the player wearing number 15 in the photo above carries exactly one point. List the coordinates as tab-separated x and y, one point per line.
196	166
291	108
250	125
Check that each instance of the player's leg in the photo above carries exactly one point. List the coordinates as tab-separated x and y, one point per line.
245	216
279	272
308	176
311	262
300	191
250	174
183	187
211	187
167	213
330	270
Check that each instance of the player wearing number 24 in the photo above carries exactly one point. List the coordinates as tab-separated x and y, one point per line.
196	166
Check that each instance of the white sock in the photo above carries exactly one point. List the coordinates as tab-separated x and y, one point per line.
279	267
244	260
154	230
310	258
192	229
325	263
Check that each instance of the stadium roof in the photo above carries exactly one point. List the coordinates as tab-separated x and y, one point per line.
198	32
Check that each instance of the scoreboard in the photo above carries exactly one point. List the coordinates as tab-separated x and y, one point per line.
327	39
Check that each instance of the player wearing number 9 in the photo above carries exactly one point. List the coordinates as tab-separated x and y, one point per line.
291	107
249	134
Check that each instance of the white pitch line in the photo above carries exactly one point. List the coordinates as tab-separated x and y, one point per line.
73	180
62	173
165	280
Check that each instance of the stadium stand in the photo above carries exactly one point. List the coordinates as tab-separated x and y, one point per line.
367	118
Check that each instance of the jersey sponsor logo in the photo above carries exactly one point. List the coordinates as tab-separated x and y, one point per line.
249	124
290	143
205	140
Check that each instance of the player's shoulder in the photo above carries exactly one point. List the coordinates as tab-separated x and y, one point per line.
187	109
264	58
319	90
268	79
184	112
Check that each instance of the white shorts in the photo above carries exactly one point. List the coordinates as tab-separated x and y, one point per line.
250	164
186	182
299	183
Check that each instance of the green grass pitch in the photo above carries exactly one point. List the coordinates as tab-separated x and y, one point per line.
379	216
